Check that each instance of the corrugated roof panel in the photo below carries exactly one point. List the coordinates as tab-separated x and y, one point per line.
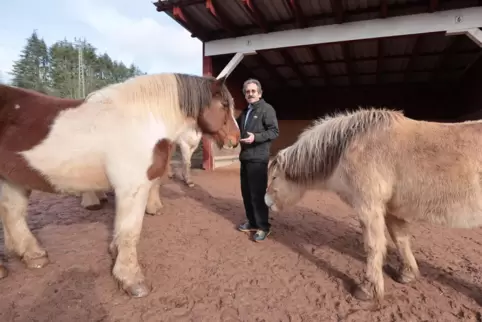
201	15
425	62
301	54
340	81
316	7
364	48
366	79
420	77
294	83
274	10
287	72
435	43
250	61
261	74
236	12
318	82
398	46
310	70
395	64
368	66
336	69
273	57
331	52
360	4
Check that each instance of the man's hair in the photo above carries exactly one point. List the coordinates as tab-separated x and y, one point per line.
252	81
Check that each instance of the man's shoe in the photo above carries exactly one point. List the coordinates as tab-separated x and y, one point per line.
247	227
261	235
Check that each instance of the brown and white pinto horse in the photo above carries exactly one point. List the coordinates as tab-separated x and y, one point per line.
119	138
188	143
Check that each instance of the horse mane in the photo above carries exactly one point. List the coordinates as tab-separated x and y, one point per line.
193	92
318	149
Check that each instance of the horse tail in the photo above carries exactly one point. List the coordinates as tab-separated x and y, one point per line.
319	148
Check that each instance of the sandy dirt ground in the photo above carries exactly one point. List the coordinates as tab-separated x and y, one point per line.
202	269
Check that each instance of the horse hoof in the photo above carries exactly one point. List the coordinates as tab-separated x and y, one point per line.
94	207
190	184
360	294
404	278
137	290
3	272
37	262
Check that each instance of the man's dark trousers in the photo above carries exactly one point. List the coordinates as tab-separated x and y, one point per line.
254	178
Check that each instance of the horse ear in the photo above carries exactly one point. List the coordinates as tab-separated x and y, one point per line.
217	85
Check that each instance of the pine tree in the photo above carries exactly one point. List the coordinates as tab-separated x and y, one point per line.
31	70
54	70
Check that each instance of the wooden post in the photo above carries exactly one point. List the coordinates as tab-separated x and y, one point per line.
208	157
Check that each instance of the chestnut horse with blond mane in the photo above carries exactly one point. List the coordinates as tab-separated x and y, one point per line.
392	170
119	138
188	142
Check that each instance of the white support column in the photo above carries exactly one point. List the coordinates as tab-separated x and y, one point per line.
233	63
474	33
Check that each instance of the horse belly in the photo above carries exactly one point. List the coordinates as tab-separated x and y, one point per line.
448	212
69	169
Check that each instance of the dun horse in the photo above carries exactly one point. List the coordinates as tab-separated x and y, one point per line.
188	142
119	138
392	170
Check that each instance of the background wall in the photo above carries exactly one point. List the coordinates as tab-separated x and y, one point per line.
296	108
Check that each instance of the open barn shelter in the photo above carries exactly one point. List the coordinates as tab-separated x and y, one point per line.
315	57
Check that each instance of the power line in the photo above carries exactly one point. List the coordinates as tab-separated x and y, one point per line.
81	70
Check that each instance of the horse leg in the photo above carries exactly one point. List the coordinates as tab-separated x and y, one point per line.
131	204
372	221
186	153
90	201
170	174
398	229
102	196
19	240
154	203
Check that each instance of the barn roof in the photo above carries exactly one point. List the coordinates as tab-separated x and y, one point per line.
414	58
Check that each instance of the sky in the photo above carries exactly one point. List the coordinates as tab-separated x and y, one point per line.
128	31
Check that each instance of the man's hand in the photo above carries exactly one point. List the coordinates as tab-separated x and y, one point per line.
249	139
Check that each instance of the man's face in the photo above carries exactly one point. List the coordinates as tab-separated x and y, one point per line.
252	95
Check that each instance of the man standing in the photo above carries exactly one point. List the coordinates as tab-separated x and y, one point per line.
259	127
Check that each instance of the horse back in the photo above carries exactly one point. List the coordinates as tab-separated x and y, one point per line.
26	117
438	173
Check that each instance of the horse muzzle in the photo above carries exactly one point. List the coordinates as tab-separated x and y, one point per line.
270	203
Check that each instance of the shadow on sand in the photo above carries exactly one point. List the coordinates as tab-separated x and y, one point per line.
321	230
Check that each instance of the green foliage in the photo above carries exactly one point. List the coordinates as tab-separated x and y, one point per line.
55	70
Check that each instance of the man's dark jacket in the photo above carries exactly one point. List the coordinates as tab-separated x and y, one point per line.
262	122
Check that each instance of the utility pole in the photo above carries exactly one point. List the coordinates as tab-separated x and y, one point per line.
81	70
